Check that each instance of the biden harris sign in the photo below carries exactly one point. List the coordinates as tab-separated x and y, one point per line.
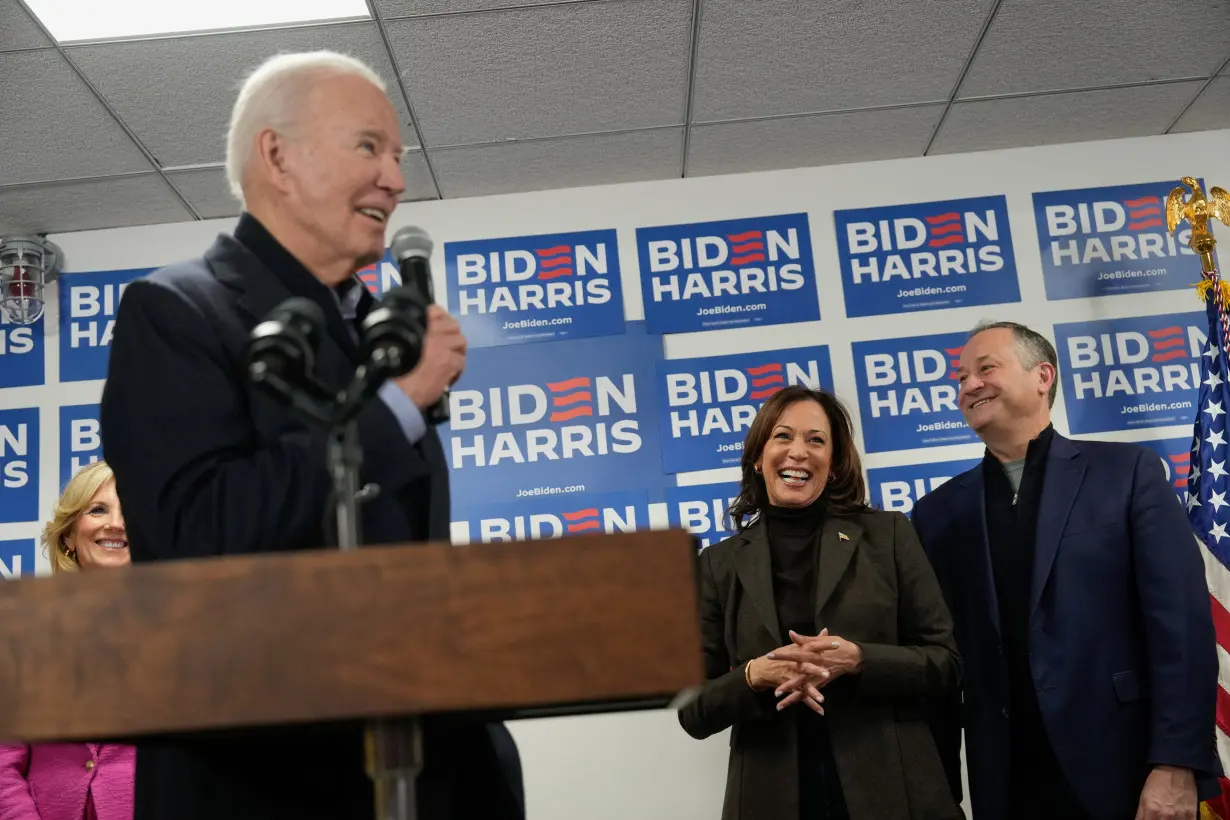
553	517
19	465
907	392
21	353
707	404
536	288
88	304
1120	374
16	558
557	418
703	510
897	489
926	256
1101	241
740	272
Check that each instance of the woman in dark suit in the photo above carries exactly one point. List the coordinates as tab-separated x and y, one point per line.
825	634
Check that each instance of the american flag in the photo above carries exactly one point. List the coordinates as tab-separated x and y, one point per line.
1209	511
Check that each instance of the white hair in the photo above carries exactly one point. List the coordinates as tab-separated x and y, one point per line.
271	97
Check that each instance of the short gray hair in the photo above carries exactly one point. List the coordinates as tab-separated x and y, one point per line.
1032	348
271	96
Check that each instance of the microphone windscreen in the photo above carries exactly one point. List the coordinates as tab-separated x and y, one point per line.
411	241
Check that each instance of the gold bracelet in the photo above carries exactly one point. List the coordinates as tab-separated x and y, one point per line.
747	674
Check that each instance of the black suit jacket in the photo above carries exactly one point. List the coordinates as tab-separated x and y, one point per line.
1121	644
874	587
205	466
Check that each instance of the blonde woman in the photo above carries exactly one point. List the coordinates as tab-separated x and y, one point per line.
75	781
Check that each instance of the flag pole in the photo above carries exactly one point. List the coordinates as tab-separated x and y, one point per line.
1198	211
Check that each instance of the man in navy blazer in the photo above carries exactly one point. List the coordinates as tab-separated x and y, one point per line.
207	466
1081	611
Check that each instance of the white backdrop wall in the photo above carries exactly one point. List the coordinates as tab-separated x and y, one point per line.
642	765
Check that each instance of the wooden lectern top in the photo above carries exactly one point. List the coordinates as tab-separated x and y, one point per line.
284	638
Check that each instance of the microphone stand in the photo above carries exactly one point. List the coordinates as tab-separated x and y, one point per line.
393	747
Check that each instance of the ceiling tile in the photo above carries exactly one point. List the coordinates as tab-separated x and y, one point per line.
782	57
1211	109
418	178
1068	117
17	30
798	142
64	132
84	205
409	8
207	191
1042	45
176	94
559	163
562	69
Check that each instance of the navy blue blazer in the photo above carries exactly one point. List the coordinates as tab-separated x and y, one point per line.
1121	642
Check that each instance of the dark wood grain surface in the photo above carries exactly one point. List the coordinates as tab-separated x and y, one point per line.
320	636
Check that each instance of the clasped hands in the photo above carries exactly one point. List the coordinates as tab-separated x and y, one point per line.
798	671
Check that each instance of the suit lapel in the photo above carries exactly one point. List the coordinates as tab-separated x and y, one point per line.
756	576
259	290
838	540
975	555
1065	470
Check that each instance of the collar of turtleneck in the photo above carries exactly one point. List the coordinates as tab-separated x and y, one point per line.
795	520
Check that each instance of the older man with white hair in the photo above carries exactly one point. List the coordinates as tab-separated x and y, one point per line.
205	467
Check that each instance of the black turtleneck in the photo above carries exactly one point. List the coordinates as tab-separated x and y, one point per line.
794	554
794	549
1037	786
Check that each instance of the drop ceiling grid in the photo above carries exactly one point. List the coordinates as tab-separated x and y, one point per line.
514	95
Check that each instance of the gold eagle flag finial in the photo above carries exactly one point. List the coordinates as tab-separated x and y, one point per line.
1197	212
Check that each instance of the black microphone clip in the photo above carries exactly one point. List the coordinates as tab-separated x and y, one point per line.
281	353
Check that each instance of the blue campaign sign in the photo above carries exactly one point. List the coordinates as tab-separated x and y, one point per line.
19	465
21	353
707	404
88	304
17	559
379	277
80	439
572	416
926	256
897	489
907	392
536	288
702	510
1099	241
1176	457
1119	374
705	275
554	516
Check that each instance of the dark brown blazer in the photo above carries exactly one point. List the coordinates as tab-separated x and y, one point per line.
874	586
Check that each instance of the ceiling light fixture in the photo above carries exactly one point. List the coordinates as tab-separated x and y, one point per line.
71	21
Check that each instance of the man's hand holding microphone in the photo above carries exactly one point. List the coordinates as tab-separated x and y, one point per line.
444	346
442	363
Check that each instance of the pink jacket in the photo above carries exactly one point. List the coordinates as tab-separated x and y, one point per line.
50	781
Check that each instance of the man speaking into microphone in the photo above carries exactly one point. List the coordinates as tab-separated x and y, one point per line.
207	466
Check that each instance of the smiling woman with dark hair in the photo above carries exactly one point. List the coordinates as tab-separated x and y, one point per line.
825	633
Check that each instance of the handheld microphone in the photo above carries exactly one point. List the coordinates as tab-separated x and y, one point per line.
411	247
392	345
282	351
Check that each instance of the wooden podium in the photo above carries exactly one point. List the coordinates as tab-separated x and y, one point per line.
581	624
